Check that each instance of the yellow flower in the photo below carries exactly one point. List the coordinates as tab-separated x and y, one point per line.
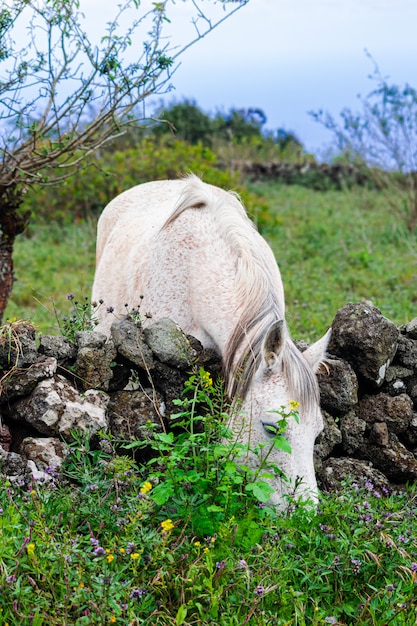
81	585
206	550
146	487
110	558
294	405
30	549
167	525
135	555
122	550
113	619
197	543
206	379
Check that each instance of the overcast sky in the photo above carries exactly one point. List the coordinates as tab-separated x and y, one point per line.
291	56
288	57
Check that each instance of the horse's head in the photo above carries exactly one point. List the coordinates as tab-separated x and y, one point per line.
284	392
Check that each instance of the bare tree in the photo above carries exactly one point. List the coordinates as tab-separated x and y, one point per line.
382	138
62	97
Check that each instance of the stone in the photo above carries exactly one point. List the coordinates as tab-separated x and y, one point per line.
169	344
45	452
338	387
127	336
379	434
335	471
329	438
396	380
395	411
17	345
412	390
410	329
366	339
406	354
59	348
21	382
394	460
55	408
171	383
353	429
409	437
5	437
13	467
94	360
129	412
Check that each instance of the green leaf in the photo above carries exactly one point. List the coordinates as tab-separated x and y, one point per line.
261	490
282	444
162	492
165	437
213	508
181	615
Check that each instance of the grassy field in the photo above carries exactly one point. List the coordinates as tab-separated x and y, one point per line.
333	247
189	539
184	541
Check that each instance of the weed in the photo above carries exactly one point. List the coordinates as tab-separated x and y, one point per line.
101	550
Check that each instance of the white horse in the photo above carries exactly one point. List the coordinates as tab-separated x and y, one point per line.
192	253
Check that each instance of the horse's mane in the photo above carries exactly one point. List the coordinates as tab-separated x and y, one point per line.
257	288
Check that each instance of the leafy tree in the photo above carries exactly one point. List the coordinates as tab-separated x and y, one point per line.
239	124
62	97
286	140
187	121
383	137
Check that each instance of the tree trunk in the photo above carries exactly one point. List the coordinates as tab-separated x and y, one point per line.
12	223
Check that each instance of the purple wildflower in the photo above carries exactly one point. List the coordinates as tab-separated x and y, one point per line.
413	567
259	591
70	296
109	309
99	551
356	566
130	548
52	470
138	593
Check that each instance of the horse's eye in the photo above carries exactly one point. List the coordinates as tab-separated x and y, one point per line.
271	428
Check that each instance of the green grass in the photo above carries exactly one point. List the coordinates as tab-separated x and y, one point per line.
51	261
333	247
96	551
106	550
336	247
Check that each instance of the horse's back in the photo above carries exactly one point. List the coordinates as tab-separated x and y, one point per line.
166	267
139	211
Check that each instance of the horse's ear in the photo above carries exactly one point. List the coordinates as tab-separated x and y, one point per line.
316	353
273	343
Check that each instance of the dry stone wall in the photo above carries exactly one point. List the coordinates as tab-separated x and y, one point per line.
50	387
